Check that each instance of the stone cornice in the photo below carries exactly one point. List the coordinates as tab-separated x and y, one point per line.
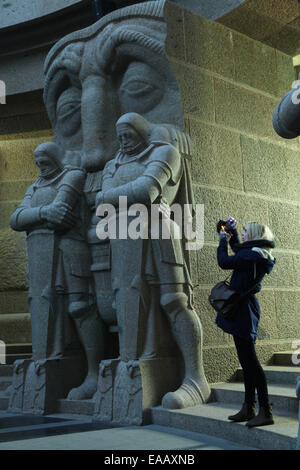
43	32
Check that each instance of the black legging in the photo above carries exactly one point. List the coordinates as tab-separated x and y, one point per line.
254	376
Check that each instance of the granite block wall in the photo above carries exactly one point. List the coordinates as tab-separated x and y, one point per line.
230	85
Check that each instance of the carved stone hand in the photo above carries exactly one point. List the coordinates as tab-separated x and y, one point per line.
59	214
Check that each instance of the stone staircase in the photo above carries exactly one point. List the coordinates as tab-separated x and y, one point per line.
6	372
227	398
212	418
18	351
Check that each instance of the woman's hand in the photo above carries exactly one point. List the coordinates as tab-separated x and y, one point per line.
232	222
224	234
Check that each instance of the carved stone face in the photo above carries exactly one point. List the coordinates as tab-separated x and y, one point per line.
115	66
130	141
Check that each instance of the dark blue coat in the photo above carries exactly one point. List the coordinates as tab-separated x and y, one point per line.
248	267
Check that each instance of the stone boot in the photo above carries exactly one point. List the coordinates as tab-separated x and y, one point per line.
264	417
247	412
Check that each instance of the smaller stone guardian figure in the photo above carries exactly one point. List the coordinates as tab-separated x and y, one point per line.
61	302
149	170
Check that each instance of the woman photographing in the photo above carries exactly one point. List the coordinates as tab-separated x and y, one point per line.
251	261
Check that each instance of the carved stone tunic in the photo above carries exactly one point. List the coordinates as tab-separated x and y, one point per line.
67	251
135	176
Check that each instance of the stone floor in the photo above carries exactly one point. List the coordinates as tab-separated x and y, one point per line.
19	432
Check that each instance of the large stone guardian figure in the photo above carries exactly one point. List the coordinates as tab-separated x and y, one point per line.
53	213
149	170
93	77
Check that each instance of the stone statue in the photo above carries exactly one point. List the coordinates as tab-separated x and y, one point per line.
149	170
53	214
93	77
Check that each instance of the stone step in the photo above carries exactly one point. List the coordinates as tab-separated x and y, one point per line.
19	348
78	407
17	351
277	374
3	400
5	382
286	358
282	397
6	370
11	358
212	419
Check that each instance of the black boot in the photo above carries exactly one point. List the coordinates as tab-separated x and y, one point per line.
264	417
247	412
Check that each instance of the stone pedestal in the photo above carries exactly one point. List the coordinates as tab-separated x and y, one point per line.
37	385
128	390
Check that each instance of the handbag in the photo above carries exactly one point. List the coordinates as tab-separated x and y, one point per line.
225	300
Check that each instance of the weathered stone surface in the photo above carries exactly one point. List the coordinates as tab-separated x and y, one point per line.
12	152
284	11
287	313
244	110
269	22
286	73
13	261
244	208
16	12
273	170
255	64
285	272
211	199
13	190
121	65
6	208
217	158
201	37
286	40
190	81
208	270
14	302
15	328
279	211
37	384
250	23
175	46
22	73
211	10
222	360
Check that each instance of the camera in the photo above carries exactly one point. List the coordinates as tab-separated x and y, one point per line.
227	225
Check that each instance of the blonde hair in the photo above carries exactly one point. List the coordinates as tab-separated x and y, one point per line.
257	231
